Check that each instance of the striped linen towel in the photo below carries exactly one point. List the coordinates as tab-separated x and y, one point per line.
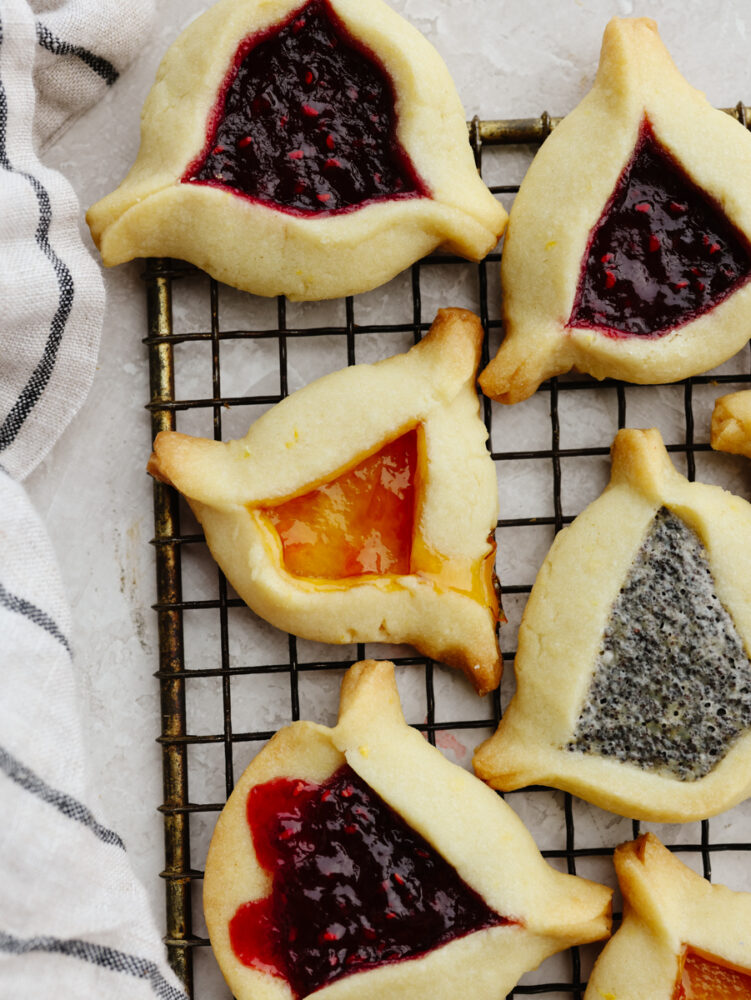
74	922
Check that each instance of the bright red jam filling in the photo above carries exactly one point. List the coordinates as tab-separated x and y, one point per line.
704	979
662	252
359	523
354	887
306	121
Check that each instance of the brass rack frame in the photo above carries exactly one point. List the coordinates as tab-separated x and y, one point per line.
160	277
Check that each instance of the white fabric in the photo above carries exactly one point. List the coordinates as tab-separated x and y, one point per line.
69	33
74	922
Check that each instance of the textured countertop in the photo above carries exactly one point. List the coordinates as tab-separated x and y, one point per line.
509	58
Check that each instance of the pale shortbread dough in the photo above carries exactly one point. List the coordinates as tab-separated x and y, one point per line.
446	606
667	907
270	252
562	198
564	623
461	818
731	423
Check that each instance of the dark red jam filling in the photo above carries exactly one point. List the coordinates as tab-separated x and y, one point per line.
662	252
306	121
354	887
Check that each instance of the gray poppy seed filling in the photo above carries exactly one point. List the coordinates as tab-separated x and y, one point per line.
672	684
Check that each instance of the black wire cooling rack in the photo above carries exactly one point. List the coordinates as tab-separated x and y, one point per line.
228	681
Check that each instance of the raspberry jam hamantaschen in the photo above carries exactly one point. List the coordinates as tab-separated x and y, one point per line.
306	122
353	886
662	254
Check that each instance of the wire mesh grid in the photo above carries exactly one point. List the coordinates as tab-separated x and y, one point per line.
228	680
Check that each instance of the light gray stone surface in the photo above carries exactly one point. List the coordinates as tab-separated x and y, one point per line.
509	58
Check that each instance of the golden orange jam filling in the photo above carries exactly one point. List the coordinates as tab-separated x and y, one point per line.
706	979
360	523
475	579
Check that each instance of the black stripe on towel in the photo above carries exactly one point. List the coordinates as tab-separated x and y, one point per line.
64	803
96	954
102	67
41	374
23	607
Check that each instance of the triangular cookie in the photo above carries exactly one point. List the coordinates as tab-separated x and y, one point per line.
312	150
633	673
731	423
418	880
682	938
362	508
628	251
